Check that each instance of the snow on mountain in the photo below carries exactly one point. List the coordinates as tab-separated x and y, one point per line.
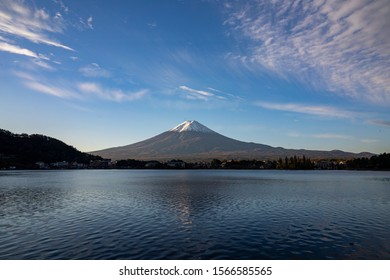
193	126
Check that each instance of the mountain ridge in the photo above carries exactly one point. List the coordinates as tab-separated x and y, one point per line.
192	141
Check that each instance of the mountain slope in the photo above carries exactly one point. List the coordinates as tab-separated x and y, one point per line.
192	141
22	150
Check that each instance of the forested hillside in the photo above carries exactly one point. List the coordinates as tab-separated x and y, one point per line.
23	150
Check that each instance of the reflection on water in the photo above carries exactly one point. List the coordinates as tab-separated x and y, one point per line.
122	214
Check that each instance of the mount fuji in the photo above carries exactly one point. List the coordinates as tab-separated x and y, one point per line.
191	141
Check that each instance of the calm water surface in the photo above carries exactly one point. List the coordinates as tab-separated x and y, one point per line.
194	214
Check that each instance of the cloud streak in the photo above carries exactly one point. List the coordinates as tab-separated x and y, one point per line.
380	122
211	94
59	89
111	94
321	136
89	22
5	47
196	94
16	19
332	136
314	110
95	71
52	90
341	46
79	91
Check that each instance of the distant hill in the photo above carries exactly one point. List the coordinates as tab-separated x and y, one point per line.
192	141
22	150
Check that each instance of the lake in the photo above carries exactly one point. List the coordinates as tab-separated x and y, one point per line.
194	214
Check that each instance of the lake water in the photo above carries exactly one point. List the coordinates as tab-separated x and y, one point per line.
194	214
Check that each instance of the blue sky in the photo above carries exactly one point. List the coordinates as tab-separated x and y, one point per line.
296	74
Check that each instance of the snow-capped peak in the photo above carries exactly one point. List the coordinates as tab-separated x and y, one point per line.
193	126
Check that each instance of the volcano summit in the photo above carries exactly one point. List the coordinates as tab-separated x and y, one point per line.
191	141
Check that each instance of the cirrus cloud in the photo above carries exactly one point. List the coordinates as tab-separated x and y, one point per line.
111	94
35	25
314	110
66	90
94	70
380	122
5	47
196	94
341	46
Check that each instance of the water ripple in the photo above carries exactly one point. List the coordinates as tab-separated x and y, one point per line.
120	214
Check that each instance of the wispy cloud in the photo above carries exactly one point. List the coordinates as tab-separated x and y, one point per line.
342	46
196	94
152	25
94	70
69	90
53	90
226	95
89	22
380	122
59	89
211	94
35	25
79	108
321	136
314	110
111	94
332	136
43	64
5	47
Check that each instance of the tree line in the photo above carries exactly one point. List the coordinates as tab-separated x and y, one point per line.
376	162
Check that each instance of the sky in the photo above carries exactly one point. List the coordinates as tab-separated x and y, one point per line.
294	74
